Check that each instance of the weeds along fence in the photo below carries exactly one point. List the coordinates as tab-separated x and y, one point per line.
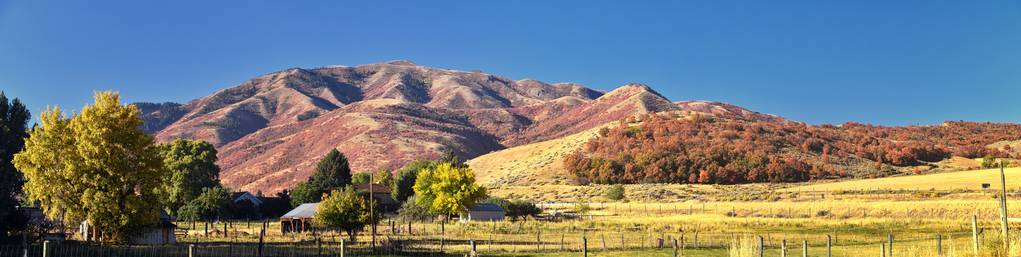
948	244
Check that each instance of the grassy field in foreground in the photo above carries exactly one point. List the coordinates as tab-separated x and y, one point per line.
960	180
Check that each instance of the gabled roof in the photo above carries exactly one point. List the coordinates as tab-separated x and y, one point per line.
303	211
487	207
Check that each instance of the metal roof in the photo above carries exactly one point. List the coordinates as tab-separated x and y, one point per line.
487	207
303	211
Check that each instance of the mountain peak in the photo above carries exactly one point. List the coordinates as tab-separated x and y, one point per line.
402	63
634	89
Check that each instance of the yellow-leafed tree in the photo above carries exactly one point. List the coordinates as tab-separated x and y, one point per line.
96	166
446	189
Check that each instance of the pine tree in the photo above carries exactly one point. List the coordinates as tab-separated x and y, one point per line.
13	130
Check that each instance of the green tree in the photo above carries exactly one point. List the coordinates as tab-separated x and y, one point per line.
13	130
212	203
192	167
97	166
616	192
344	209
361	178
404	183
304	193
332	172
989	162
447	189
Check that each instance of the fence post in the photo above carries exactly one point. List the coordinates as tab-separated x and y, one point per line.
319	247
622	244
342	246
262	236
890	238
46	248
443	231
829	245
804	248
191	250
939	245
675	247
561	242
974	233
783	248
762	248
473	252
584	246
882	250
1003	211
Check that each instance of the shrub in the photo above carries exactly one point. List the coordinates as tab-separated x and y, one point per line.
616	192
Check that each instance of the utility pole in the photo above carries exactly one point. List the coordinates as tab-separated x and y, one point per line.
372	209
1003	209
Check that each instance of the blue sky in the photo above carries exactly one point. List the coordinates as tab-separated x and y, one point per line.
884	62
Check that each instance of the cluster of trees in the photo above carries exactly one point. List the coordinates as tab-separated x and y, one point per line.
13	130
96	166
99	166
722	151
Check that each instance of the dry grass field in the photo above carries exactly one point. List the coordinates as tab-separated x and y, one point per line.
960	180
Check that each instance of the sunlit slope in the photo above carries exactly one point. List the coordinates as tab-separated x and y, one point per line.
972	179
532	164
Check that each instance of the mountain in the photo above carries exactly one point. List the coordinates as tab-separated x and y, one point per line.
271	130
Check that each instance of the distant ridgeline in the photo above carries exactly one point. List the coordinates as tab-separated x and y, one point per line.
663	148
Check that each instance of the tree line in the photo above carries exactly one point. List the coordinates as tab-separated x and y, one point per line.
664	148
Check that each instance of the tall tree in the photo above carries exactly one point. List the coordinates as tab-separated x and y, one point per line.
13	130
447	189
192	167
331	172
404	182
97	166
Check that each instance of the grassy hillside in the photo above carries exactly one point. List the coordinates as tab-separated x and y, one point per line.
531	164
961	180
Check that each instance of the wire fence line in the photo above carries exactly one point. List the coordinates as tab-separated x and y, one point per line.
443	245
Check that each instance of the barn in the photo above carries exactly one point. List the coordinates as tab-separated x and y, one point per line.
485	212
299	219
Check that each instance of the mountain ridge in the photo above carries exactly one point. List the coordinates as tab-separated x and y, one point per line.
270	130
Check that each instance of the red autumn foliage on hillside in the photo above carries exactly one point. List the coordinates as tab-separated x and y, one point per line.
728	151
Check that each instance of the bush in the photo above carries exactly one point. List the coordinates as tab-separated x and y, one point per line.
616	192
515	208
410	210
581	207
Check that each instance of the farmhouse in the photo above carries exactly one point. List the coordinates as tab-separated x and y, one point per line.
239	197
299	219
485	212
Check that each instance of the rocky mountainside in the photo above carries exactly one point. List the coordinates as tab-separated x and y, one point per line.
271	130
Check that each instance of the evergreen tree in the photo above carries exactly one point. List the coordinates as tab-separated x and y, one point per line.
13	130
331	172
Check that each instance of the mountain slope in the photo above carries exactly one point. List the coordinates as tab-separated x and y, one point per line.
272	129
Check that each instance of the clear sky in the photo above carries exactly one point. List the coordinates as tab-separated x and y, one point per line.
885	62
